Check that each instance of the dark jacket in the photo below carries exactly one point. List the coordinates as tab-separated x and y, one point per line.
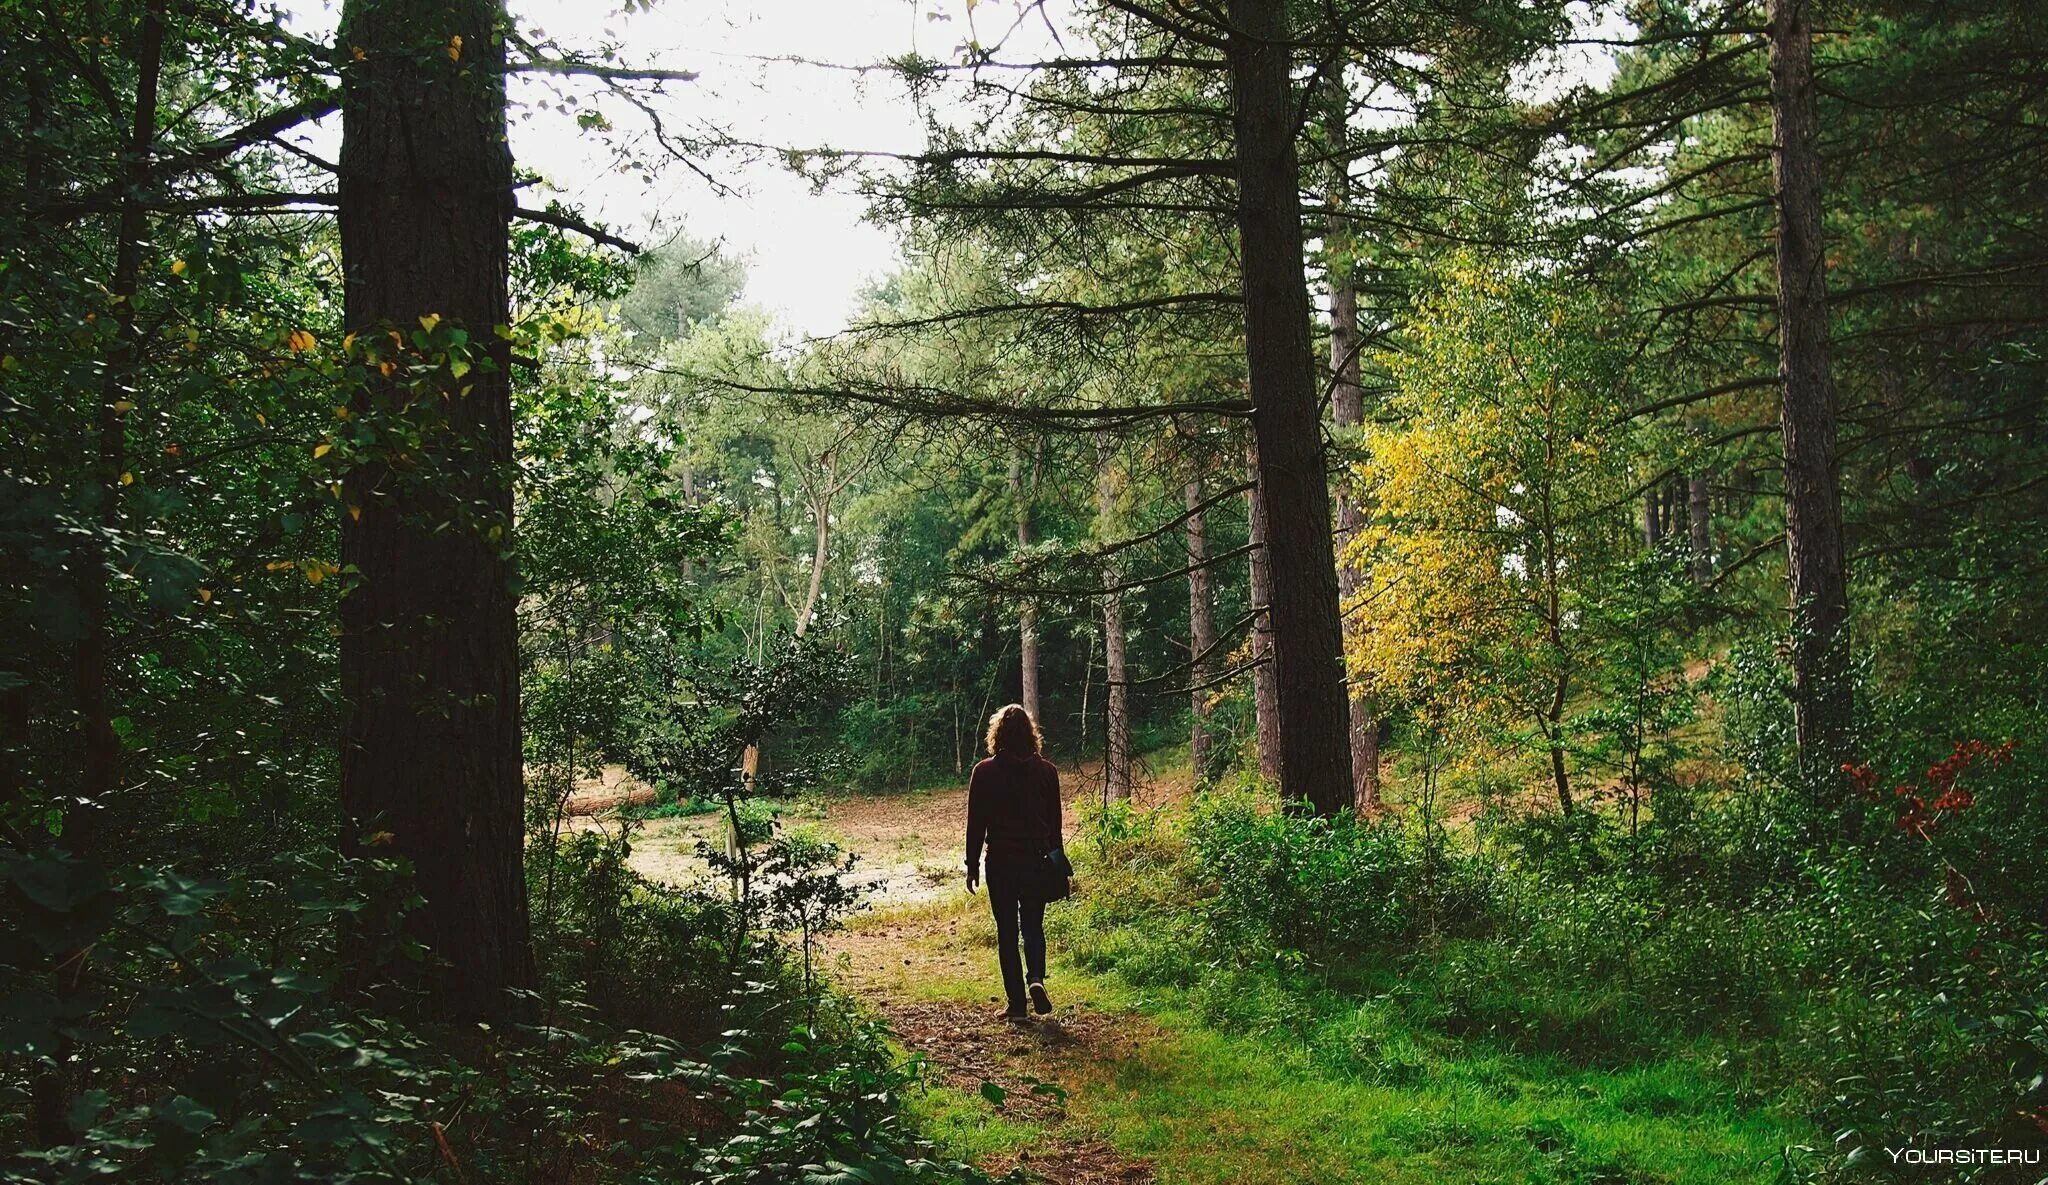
1013	807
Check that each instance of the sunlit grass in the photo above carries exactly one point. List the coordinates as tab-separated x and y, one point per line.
1358	1096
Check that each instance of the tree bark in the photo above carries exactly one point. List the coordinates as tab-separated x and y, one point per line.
101	746
1308	645
1653	521
431	763
1815	564
53	1088
1265	685
1201	631
1116	749
1347	414
1027	610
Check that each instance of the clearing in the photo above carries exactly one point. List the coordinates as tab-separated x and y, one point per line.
1122	1086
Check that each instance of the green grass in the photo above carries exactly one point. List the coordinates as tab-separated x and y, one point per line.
1355	1095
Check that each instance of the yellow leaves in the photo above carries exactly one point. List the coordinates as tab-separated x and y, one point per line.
458	366
355	513
123	406
9	362
314	571
127	479
298	341
178	267
343	413
455	48
348	343
386	368
321	450
205	595
356	52
429	321
379	839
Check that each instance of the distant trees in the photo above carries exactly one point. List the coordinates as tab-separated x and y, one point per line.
679	285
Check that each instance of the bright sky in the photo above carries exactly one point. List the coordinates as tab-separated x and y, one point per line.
808	253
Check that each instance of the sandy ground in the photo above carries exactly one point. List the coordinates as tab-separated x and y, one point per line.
909	843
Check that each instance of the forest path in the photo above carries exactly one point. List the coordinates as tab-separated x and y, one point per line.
1004	1094
909	841
1007	1094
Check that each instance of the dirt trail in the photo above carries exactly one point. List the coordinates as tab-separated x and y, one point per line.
908	842
896	960
923	957
926	963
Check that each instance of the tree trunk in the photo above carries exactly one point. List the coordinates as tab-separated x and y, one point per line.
1699	517
821	554
101	746
1265	687
1201	631
1116	749
431	763
1308	645
1027	610
53	1089
1813	512
1347	414
1653	520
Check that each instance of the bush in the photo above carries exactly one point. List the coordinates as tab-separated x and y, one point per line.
1280	882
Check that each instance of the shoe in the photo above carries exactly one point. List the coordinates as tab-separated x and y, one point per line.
1041	1002
1015	1015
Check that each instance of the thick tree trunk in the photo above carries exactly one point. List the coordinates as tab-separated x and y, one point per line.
1699	517
53	1088
1347	414
1027	610
430	764
1265	683
101	746
1116	749
1308	645
1653	517
1813	513
1201	631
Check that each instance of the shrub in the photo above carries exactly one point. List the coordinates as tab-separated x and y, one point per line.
1276	882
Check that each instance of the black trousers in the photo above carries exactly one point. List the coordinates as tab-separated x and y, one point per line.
1019	915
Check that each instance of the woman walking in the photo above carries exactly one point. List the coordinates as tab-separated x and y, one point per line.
1013	810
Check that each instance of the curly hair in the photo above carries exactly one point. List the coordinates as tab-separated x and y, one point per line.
1012	731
